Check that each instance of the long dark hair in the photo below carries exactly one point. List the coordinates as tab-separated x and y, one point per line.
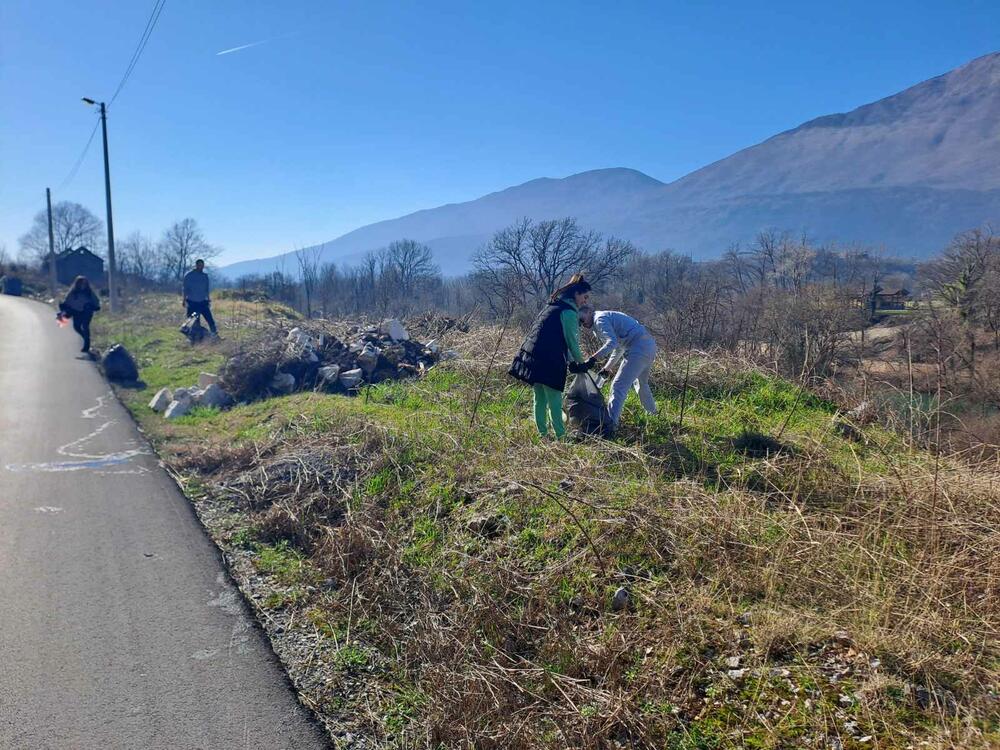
576	285
80	283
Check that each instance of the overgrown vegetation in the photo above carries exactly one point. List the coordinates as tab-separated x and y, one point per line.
748	568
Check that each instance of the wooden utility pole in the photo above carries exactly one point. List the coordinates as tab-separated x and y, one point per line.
53	281
112	268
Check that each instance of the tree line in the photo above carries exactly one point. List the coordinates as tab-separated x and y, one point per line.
137	255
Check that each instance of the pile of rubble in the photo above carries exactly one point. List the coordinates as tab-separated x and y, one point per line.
181	401
302	359
367	355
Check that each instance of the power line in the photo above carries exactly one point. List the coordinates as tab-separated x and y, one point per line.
154	16
71	175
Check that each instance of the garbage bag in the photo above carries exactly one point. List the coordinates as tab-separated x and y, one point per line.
119	365
193	328
584	406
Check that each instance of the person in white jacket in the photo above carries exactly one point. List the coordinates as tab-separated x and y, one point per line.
631	348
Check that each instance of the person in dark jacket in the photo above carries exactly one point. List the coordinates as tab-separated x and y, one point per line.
554	341
195	293
80	304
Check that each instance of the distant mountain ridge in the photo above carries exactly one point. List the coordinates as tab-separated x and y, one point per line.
906	172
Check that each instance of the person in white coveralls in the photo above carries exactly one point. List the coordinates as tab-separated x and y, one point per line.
632	348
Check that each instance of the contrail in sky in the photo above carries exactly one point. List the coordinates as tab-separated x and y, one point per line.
246	46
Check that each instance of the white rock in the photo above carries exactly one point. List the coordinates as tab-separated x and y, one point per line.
394	330
736	674
178	408
213	395
352	378
161	400
283	382
206	379
330	372
368	358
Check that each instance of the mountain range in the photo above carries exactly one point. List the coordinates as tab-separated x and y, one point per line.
905	173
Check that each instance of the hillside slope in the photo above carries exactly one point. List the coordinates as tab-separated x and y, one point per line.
753	579
907	173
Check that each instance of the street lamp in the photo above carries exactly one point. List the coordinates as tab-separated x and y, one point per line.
112	269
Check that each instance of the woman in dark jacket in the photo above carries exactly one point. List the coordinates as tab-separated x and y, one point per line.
80	304
553	341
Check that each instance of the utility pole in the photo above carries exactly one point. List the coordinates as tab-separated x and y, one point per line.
52	247
112	268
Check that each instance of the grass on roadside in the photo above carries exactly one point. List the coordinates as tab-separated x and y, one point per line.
750	578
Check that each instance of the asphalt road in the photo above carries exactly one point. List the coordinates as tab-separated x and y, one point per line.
118	626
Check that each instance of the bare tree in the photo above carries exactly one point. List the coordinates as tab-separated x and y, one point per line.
73	225
138	256
412	264
307	259
183	243
529	260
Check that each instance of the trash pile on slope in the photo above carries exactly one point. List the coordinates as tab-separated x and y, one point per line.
181	401
319	360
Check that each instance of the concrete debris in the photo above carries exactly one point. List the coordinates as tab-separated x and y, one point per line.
206	379
320	361
178	408
368	358
212	396
330	373
394	330
161	400
352	378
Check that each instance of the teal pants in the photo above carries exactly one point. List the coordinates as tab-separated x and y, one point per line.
548	405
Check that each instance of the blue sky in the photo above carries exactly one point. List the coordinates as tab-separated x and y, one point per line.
353	112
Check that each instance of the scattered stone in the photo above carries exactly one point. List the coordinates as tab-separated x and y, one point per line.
178	408
735	674
212	396
621	599
352	378
119	365
394	330
330	373
283	382
161	400
368	358
206	379
733	662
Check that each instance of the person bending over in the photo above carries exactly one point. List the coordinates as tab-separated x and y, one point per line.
553	341
195	294
629	343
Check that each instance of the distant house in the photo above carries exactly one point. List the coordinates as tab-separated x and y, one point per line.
894	300
79	262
